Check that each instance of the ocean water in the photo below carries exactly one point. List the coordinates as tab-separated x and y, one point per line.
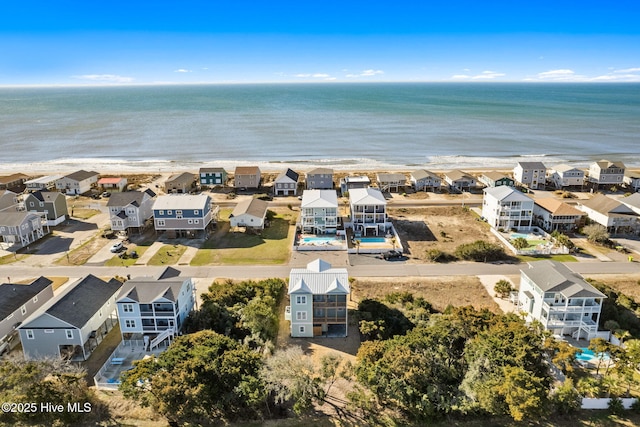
344	126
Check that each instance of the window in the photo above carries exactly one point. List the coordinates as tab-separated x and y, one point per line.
49	331
129	323
127	308
301	315
196	212
41	204
196	221
23	309
301	329
160	212
301	299
69	333
30	335
32	204
35	299
160	222
169	212
189	221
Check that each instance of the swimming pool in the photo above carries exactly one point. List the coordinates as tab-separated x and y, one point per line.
322	241
372	239
517	235
586	355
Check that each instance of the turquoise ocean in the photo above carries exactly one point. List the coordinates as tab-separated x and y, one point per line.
345	126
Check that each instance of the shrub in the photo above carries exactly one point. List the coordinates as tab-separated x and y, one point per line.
480	251
436	255
615	406
503	288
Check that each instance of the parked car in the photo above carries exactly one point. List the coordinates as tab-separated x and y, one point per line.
392	255
106	194
117	247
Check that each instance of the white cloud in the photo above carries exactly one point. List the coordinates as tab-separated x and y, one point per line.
366	73
182	70
628	70
323	76
488	75
105	78
460	76
617	78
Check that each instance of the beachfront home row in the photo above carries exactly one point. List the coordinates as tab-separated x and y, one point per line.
211	177
129	211
496	179
249	213
565	176
605	172
51	205
318	300
424	180
14	182
155	306
76	183
460	181
532	175
113	184
560	299
44	183
181	183
17	303
506	208
319	179
368	211
319	212
72	325
183	215
247	177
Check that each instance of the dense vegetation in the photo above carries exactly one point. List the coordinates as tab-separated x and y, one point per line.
479	251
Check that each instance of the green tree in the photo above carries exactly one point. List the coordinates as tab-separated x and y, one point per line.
201	377
566	398
596	233
480	251
599	346
525	394
520	243
503	288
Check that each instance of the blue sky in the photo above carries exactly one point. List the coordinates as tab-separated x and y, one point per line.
193	41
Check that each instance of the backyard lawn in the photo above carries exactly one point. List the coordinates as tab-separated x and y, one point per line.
116	261
233	247
167	255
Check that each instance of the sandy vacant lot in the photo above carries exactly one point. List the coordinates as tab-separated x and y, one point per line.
439	227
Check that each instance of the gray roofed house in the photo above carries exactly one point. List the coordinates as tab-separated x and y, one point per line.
391	181
18	229
560	299
249	213
531	174
610	213
148	305
184	215
8	200
180	183
319	179
286	183
459	180
423	180
52	205
74	323
130	210
318	298
606	172
79	182
247	177
17	302
633	202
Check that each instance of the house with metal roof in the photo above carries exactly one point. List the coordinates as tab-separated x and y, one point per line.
424	180
368	209
17	303
43	183
555	215
286	183
560	299
507	208
319	211
616	217
73	324
155	307
182	215
79	182
130	211
318	300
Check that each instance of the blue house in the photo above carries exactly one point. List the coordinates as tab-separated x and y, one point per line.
210	177
184	215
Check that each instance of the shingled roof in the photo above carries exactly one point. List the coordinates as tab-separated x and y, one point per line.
14	296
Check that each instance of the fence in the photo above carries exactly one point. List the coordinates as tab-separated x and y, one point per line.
548	249
603	403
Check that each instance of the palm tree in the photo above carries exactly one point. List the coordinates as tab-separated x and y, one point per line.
394	242
357	245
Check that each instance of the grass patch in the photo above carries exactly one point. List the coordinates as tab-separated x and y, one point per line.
57	281
8	259
82	213
271	246
81	254
116	261
167	255
559	258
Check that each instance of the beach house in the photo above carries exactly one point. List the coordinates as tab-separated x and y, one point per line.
318	300
286	183
605	172
424	180
632	181
43	183
211	177
530	174
616	217
560	299
319	211
72	325
155	306
8	201
51	205
506	208
496	179
565	176
247	177
180	183
460	181
250	213
130	211
19	229
555	215
113	184
184	215
368	209
349	183
18	302
319	179
632	201
14	182
391	182
79	182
